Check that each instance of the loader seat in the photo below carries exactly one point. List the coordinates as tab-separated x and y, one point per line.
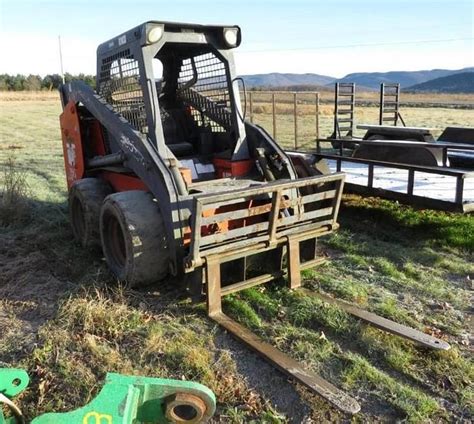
178	132
181	149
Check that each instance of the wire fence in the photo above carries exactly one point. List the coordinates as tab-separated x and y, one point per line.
292	118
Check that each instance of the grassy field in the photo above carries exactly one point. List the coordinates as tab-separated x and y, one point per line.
406	98
436	114
66	320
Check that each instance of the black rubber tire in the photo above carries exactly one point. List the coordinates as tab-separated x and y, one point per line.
85	201
133	238
377	137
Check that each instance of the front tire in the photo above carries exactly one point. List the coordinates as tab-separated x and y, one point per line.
133	238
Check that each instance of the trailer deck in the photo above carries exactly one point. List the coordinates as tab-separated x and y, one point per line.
433	187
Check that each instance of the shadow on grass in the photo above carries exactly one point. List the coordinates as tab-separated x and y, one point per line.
62	302
407	225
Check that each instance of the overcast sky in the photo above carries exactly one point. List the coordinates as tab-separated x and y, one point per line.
320	36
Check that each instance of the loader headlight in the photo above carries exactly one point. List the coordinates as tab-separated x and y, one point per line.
154	34
231	36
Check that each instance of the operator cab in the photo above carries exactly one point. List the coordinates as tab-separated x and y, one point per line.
199	114
194	109
190	109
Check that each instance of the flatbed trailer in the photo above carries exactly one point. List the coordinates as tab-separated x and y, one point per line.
426	179
401	163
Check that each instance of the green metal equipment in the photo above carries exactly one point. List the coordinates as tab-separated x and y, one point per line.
122	400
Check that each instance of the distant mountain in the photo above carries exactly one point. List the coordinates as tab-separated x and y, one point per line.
363	80
405	78
286	80
457	83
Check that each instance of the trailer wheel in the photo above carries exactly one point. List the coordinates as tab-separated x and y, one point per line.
133	238
85	200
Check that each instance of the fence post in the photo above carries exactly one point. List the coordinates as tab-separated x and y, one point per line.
274	117
251	106
296	120
317	118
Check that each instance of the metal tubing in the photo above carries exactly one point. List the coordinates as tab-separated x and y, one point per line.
274	215
295	102
207	199
459	190
312	263
370	181
107	160
274	116
237	250
251	106
251	282
180	184
318	146
294	272
411	181
214	295
382	90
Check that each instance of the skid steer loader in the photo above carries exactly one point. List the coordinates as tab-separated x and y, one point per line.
166	175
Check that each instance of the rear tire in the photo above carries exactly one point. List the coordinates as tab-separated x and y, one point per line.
377	137
133	238
85	200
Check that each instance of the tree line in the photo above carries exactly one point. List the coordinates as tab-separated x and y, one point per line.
31	82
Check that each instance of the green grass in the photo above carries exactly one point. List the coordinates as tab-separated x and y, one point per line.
417	406
64	318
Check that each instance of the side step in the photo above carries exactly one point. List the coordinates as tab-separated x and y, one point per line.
383	323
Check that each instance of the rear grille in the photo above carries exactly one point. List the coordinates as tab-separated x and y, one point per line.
119	84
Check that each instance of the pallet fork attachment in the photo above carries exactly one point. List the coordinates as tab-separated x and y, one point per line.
381	323
280	360
312	223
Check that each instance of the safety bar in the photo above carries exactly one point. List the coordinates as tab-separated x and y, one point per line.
266	214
